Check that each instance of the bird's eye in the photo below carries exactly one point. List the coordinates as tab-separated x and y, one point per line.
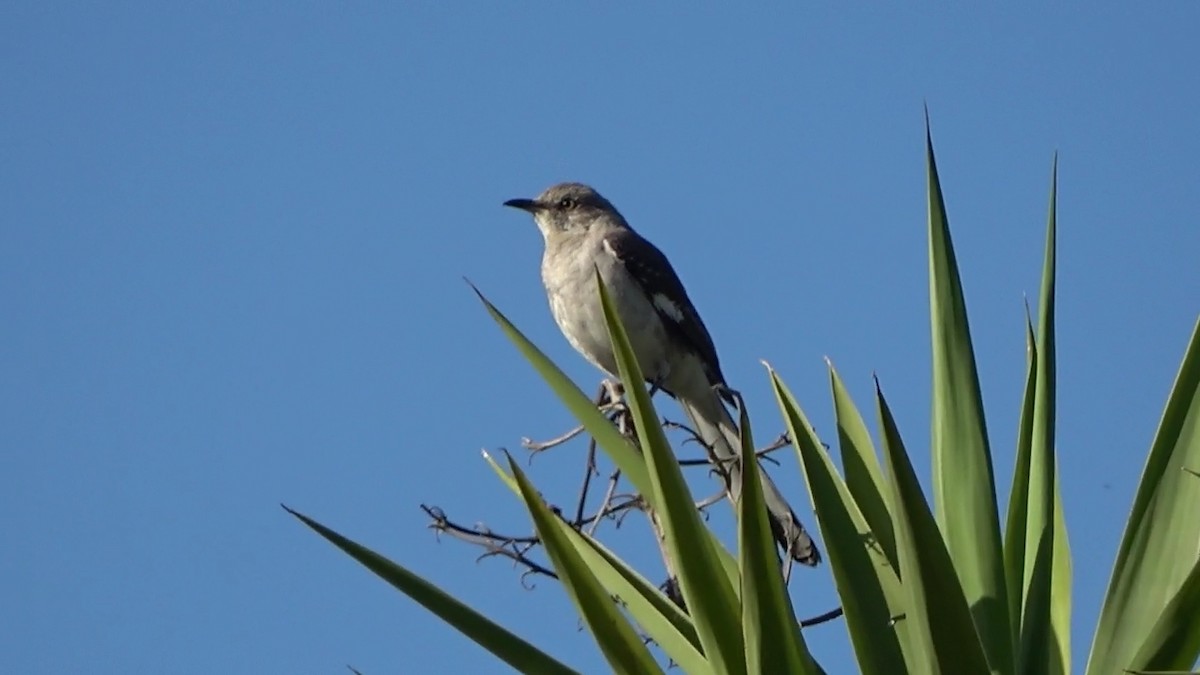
566	203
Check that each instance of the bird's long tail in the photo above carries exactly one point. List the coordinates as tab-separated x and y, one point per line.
716	428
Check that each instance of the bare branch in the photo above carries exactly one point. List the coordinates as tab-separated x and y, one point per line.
588	470
513	548
822	618
535	447
604	505
607	399
762	453
521	550
480	534
710	500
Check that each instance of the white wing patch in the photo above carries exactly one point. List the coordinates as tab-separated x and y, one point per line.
668	307
662	303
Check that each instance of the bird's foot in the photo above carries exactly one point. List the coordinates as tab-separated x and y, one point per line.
611	392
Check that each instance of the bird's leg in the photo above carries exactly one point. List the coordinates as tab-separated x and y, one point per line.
616	391
615	408
623	417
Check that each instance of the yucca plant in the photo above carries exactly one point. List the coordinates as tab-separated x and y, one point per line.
924	590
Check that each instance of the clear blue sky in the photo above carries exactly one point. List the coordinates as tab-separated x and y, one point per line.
232	242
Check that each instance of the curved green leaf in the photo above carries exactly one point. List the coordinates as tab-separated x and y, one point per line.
1038	638
608	438
963	482
624	454
944	639
769	627
703	580
1018	497
1174	640
867	582
1162	537
864	476
493	637
668	625
1060	592
625	651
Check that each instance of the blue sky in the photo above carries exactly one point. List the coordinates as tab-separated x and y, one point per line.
232	242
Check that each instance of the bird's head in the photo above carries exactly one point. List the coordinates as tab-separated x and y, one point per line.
568	209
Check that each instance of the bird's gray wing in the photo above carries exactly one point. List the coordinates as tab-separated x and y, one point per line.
657	279
712	423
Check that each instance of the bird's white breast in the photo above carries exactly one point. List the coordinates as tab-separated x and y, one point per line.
570	277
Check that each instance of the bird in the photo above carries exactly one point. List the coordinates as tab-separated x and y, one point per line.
583	233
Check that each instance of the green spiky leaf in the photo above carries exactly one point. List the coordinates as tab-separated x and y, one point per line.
493	637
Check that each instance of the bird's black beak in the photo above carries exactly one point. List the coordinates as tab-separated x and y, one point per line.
524	204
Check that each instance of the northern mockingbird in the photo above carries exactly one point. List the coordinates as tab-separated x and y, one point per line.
583	233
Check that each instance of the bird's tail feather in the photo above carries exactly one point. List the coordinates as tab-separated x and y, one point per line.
716	428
